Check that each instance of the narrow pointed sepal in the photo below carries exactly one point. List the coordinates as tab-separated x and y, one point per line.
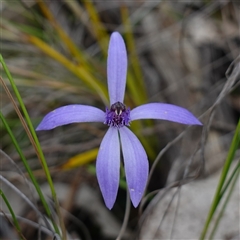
116	68
71	114
135	164
164	111
108	166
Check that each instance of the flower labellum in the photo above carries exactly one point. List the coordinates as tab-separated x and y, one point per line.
118	118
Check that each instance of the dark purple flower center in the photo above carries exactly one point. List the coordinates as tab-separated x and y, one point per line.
118	115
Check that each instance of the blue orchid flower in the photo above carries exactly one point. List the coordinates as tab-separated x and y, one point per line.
118	137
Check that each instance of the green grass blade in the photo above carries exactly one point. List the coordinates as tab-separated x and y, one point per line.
15	221
234	178
39	150
230	179
217	197
28	169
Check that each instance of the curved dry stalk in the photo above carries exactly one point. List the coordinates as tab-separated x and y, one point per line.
34	224
28	183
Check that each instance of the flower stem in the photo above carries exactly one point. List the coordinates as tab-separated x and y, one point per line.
126	217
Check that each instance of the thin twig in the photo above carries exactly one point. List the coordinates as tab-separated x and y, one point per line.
165	213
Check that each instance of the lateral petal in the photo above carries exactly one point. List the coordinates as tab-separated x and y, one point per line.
108	166
116	68
164	111
71	114
135	164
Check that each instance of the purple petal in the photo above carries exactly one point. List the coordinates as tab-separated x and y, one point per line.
135	164
108	166
164	111
71	114
116	68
